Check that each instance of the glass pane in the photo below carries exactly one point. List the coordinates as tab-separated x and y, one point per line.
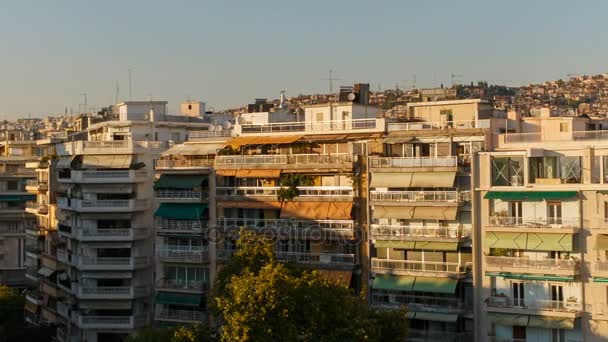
500	171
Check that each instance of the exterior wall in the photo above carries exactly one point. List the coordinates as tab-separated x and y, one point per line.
460	110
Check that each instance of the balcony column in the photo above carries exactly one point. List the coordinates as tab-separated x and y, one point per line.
588	164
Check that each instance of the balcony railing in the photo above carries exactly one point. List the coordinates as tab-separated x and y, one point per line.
190	195
397	232
102	205
417	266
109	322
315	126
531	264
435	335
110	263
198	135
111	292
334	226
418	303
513	138
416	196
15	227
285	159
540	222
398	162
433	125
601	266
335	259
182	285
107	146
181	226
534	305
184	163
180	315
174	253
111	234
272	191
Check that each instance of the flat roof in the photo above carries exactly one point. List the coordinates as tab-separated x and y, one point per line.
344	103
447	102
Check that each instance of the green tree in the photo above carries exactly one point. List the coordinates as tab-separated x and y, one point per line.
11	313
151	334
190	333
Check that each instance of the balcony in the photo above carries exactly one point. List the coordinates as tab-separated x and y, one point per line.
438	125
168	226
322	260
109	322
271	192
294	228
528	224
600	269
180	195
186	316
63	310
575	137
505	304
418	303
14	228
416	335
418	267
35	208
106	176
203	135
413	162
179	285
86	263
34	185
111	147
439	197
419	233
174	253
316	127
97	206
162	164
111	293
123	234
527	265
285	161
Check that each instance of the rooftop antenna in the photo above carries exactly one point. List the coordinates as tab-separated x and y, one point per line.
331	80
84	95
414	81
455	77
116	93
130	85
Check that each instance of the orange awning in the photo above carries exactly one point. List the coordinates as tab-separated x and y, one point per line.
273	173
249	204
263	140
317	210
340	278
225	173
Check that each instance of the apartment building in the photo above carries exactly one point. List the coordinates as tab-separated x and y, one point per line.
542	211
105	220
17	147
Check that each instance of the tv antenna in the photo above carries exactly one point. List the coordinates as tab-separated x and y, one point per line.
456	77
84	109
331	80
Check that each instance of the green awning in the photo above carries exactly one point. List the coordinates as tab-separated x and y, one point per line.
390	282
530	195
529	241
549	322
437	246
17	198
601	242
437	316
523	276
435	285
508	319
178	298
181	211
167	181
600	280
506	240
395	244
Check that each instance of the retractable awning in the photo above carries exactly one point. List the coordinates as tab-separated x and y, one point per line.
249	205
45	271
436	316
412	179
523	276
395	244
17	198
112	161
168	181
173	298
508	319
397	140
195	149
317	210
391	282
181	211
437	246
435	285
529	241
549	322
263	140
530	195
423	213
273	173
225	173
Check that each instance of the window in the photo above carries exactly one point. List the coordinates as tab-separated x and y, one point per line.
558	335
564	127
12	186
570	169
554	212
507	171
542	167
519	333
518	294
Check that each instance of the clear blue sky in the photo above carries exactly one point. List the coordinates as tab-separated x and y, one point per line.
228	52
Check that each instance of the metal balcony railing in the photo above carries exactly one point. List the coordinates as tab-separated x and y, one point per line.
527	263
601	266
284	159
195	195
317	258
180	315
110	292
111	262
418	303
398	232
534	305
184	163
416	196
103	234
528	222
338	226
381	162
185	226
180	284
433	125
272	191
420	266
182	253
512	138
312	126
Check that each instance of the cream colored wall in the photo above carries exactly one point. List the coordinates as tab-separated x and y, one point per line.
460	112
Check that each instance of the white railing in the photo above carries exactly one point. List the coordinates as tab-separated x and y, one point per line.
179	284
180	315
537	304
272	191
338	226
126	233
108	292
86	204
444	161
109	322
313	126
111	262
193	226
14	227
182	253
590	135
415	196
419	266
432	125
397	232
512	138
413	302
107	146
284	159
186	163
529	222
178	195
194	135
317	258
527	263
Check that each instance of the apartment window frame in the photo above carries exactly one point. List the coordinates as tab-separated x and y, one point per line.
504	169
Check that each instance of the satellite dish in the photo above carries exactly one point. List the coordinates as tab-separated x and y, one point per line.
351	97
218	128
227	125
211	128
